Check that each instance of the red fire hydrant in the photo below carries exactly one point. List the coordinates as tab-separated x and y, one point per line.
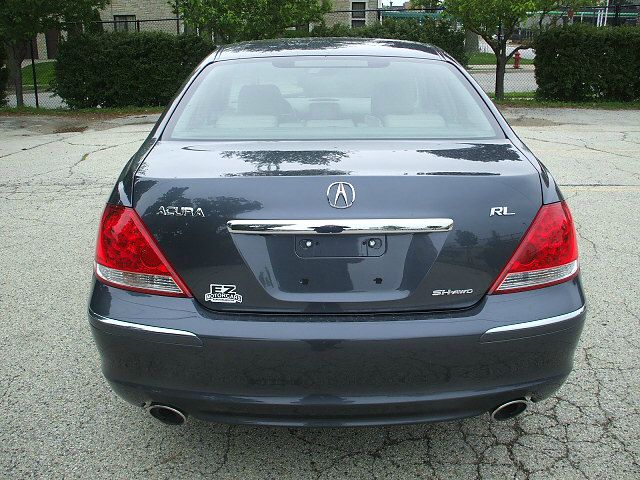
516	59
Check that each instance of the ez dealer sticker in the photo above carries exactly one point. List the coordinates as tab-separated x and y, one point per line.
223	294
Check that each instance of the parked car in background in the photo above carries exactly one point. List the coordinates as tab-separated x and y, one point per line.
335	232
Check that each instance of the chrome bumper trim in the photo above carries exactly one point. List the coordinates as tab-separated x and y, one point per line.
379	226
537	323
138	326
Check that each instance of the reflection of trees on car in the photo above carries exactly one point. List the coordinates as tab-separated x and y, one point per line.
266	161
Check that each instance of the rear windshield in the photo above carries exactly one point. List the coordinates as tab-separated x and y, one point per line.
327	98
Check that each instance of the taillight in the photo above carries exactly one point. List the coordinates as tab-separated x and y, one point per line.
127	256
547	254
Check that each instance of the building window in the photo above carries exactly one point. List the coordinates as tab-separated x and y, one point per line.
358	14
124	23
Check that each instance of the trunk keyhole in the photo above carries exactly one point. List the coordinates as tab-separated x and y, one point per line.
377	280
304	281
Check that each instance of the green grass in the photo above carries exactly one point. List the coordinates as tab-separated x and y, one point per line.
512	99
92	112
516	95
45	73
533	103
528	99
490	59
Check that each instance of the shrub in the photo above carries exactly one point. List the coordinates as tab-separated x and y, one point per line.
125	69
582	62
440	33
4	76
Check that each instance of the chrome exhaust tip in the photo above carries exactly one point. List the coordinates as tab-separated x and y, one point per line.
509	410
166	414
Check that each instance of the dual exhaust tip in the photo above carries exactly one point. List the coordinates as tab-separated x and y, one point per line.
509	410
166	414
173	416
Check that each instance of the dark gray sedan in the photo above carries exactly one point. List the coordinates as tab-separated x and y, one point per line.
335	232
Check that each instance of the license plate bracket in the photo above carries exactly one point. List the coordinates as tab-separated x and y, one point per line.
340	246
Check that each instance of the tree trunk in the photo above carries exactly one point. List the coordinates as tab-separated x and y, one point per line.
15	56
501	65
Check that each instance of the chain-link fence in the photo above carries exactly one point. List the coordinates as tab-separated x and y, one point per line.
39	68
168	25
601	16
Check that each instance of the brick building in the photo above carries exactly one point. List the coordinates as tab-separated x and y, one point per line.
140	15
45	46
130	14
354	14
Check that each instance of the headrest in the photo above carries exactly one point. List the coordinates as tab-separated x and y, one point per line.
394	98
262	100
324	111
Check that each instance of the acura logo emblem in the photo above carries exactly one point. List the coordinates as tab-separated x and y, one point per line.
341	195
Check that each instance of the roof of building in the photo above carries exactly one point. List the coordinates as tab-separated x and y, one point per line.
291	47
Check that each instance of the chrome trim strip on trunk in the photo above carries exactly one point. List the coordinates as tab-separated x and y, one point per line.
138	326
537	323
379	226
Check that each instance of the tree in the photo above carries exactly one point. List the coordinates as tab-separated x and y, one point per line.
22	20
425	4
234	20
4	74
471	39
496	20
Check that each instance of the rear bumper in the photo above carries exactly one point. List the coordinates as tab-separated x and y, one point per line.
285	370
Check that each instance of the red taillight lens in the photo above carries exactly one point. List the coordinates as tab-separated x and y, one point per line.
547	254
127	256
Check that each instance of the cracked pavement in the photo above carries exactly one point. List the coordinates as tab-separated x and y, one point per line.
60	419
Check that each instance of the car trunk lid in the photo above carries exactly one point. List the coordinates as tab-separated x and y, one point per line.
251	228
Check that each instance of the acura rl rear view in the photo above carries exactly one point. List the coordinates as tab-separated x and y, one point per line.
335	232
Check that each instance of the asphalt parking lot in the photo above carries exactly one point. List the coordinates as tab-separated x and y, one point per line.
60	420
